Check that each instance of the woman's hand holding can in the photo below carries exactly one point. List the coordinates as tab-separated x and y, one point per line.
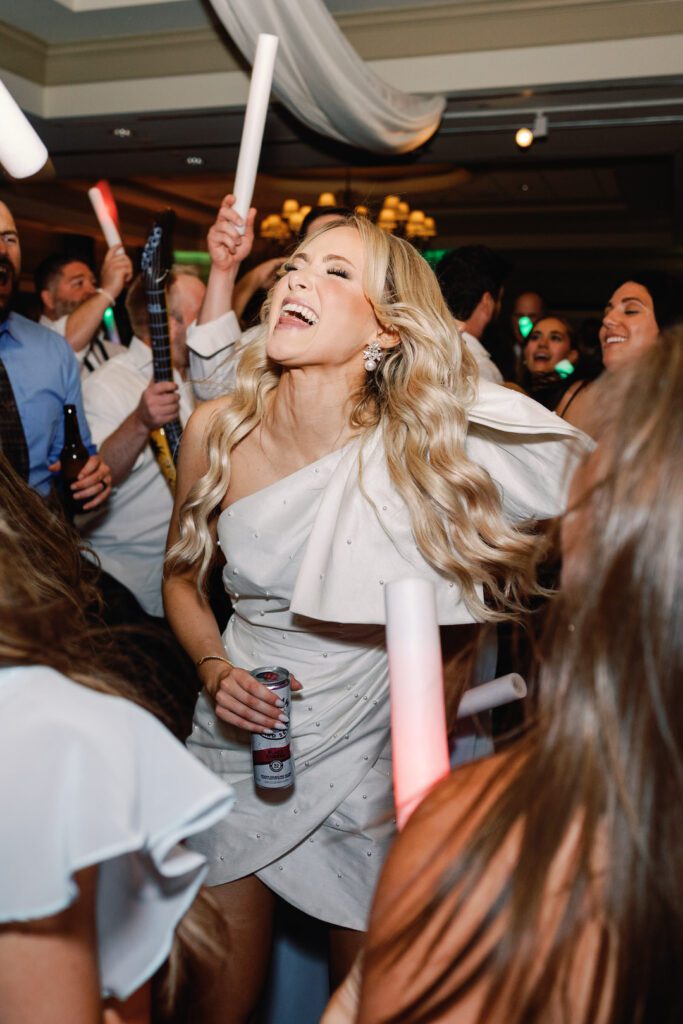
241	700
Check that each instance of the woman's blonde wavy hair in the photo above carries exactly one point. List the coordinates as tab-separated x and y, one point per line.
419	397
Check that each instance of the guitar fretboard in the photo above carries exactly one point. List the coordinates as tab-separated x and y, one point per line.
157	313
159	333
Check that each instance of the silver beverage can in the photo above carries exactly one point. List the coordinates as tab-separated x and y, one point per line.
270	751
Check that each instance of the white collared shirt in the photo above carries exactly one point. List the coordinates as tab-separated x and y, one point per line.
92	355
130	535
487	368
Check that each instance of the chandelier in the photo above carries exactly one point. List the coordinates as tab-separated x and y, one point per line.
395	217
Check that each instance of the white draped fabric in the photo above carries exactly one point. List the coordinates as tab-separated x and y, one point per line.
322	80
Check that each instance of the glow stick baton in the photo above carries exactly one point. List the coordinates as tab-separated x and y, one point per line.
110	326
254	123
22	151
418	714
491	695
105	210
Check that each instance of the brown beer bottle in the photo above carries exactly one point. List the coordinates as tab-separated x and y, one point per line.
73	458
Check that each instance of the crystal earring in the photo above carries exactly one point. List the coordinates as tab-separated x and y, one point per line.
372	355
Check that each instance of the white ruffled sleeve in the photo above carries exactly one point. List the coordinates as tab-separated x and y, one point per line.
529	452
91	779
215	349
362	535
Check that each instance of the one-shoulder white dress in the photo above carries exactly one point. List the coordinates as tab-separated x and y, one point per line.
307	559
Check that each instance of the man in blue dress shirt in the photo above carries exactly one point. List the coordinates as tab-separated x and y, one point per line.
44	376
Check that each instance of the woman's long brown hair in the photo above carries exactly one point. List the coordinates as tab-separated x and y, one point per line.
603	762
49	616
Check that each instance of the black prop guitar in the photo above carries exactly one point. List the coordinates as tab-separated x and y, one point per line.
157	258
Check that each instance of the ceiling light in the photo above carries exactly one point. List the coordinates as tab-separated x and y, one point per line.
395	217
525	136
122	133
194	161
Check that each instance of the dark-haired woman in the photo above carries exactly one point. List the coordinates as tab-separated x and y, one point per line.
634	316
554	372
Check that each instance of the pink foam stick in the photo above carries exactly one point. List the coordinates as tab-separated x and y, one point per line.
104	206
418	713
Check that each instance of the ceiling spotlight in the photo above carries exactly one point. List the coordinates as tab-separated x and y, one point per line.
122	133
525	136
194	161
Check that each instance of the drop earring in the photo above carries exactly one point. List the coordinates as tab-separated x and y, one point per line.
373	354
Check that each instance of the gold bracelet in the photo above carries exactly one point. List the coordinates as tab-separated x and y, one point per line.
213	657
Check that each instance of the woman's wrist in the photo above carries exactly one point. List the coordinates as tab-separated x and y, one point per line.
211	668
212	657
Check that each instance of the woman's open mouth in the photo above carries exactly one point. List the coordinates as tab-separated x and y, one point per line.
297	315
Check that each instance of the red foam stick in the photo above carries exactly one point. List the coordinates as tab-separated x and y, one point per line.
104	206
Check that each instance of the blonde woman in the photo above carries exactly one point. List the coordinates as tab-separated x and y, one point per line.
357	448
544	886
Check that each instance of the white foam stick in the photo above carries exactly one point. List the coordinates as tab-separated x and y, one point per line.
418	714
492	695
254	122
109	228
22	151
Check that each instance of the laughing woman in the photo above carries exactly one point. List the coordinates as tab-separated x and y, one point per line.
637	311
358	448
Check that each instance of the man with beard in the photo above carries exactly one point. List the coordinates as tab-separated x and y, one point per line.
39	375
73	305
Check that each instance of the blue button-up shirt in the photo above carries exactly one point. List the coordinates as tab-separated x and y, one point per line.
45	376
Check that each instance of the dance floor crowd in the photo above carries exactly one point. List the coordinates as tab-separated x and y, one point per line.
348	418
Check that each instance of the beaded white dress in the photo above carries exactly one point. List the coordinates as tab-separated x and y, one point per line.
307	559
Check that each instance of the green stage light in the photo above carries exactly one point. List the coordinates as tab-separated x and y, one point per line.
434	256
199	259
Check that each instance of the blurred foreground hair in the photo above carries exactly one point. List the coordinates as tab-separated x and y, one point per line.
595	790
48	616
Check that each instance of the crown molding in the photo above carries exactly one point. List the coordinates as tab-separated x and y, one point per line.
488	25
430	30
22	54
80	6
448	73
190	52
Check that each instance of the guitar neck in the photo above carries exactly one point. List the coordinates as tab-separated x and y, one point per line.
174	432
158	330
